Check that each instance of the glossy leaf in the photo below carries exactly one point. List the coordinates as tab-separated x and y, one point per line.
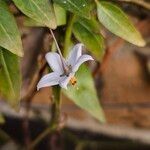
88	32
85	96
115	20
39	10
60	14
10	38
10	80
79	7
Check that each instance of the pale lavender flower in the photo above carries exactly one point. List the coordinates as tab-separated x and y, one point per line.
63	70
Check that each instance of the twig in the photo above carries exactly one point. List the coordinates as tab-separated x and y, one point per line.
109	52
28	98
32	88
55	110
41	136
139	2
115	46
55	118
25	126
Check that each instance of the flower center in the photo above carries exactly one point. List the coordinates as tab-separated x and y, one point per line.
73	81
67	70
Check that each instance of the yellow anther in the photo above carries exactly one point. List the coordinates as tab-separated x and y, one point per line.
73	81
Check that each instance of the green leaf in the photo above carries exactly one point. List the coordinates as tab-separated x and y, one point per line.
31	23
79	7
10	38
60	14
10	80
85	96
88	32
115	20
39	10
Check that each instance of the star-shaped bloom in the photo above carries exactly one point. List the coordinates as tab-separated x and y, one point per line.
63	70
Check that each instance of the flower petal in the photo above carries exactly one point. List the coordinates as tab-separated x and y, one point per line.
65	80
81	60
75	53
49	80
54	62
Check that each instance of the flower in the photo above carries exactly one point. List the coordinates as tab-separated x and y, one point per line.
63	70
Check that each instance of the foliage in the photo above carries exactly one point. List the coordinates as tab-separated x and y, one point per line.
9	33
118	23
84	95
10	79
88	32
85	27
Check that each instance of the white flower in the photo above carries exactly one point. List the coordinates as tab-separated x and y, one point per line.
63	70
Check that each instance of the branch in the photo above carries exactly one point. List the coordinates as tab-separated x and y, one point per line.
32	88
28	99
139	2
55	118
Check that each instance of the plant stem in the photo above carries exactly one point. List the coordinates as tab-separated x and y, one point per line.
58	48
55	110
68	34
55	117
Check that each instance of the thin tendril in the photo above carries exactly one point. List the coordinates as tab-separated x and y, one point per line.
59	51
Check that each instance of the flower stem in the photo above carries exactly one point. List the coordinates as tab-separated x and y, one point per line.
58	48
55	118
55	110
68	34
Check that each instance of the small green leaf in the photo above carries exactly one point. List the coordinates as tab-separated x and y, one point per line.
39	10
85	96
60	14
115	20
88	32
79	7
10	80
9	34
